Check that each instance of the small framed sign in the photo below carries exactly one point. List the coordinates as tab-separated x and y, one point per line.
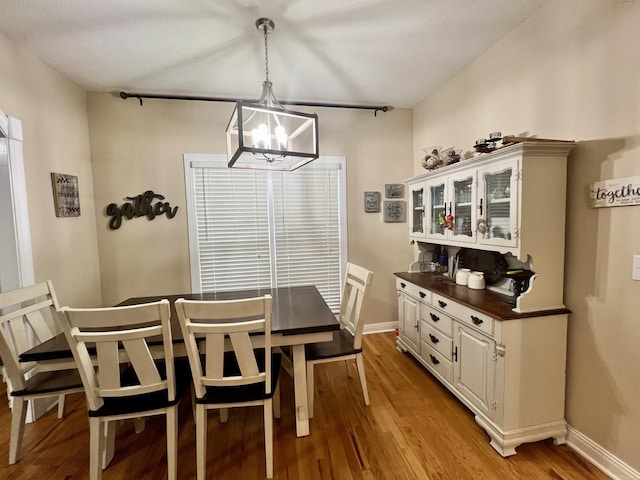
66	197
394	190
394	210
371	202
617	192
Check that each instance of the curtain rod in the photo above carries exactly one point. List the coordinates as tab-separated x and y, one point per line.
140	96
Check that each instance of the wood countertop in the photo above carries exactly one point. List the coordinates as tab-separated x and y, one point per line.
490	303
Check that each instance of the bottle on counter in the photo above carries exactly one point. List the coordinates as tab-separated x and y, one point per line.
444	260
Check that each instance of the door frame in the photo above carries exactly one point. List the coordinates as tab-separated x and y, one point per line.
20	249
18	269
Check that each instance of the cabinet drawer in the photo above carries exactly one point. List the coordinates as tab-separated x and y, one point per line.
436	361
467	315
436	339
436	319
413	290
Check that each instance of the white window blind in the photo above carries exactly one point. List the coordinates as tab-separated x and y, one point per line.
258	229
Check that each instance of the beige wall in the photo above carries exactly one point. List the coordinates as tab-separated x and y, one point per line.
572	72
53	112
141	148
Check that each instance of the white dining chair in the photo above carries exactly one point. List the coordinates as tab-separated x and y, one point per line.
146	387
241	376
347	342
23	321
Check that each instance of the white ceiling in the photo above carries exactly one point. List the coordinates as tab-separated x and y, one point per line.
378	52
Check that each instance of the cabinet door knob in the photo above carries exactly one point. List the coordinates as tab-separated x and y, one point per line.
434	317
434	360
433	338
403	285
476	320
422	294
442	304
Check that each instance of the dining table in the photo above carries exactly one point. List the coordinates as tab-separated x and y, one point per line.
300	316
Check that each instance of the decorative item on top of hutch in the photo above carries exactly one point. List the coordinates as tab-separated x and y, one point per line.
505	362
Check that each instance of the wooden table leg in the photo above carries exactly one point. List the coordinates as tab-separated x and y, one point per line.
300	390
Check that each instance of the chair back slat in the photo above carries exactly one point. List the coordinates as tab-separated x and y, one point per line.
120	335
244	354
142	361
116	331
356	283
41	329
240	321
116	317
27	294
108	365
214	355
23	320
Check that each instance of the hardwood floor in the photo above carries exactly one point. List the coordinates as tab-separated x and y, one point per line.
414	429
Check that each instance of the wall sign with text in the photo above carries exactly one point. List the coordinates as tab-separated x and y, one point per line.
617	192
66	198
140	206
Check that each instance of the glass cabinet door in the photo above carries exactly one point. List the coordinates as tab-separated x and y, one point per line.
498	222
416	211
436	209
462	207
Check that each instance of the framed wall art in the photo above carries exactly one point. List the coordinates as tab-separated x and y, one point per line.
394	210
394	190
66	196
371	202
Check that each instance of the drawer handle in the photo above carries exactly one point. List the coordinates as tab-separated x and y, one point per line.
433	338
422	294
434	360
476	320
434	317
403	285
442	304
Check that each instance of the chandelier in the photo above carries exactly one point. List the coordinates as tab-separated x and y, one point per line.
264	135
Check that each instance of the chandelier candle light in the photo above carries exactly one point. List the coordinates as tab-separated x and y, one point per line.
264	135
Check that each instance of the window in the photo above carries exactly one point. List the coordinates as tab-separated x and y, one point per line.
257	229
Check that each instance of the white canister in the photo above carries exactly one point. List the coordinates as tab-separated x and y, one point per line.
476	280
462	275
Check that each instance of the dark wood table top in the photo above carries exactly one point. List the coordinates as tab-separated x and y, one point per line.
295	311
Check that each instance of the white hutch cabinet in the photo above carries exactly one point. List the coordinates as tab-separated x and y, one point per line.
510	201
505	362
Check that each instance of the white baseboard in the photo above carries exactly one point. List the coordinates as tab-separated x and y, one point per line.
379	327
604	460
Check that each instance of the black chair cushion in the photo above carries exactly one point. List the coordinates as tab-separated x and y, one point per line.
50	382
147	401
342	344
243	393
